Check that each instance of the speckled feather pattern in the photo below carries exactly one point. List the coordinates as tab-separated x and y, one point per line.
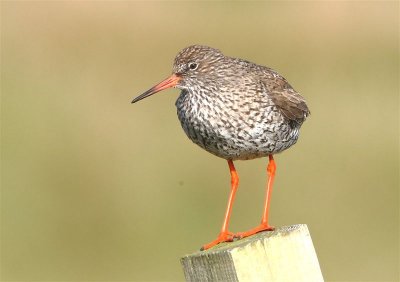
236	109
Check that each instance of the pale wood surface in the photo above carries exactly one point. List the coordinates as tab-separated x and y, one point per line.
286	254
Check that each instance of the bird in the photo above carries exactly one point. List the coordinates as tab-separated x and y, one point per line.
235	110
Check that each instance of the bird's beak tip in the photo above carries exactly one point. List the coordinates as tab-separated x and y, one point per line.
171	81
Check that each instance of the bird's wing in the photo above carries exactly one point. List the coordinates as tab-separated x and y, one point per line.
290	103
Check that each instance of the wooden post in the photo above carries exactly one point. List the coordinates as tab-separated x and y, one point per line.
286	254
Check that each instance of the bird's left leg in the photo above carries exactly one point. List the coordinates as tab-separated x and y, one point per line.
264	226
225	235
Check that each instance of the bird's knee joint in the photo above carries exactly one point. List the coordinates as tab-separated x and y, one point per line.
235	181
271	168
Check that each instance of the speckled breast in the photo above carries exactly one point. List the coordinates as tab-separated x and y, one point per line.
235	128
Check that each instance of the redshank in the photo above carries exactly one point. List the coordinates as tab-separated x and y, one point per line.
236	110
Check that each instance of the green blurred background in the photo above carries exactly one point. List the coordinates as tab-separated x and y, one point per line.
94	188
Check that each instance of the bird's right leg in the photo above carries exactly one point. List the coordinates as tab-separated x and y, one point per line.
225	235
264	226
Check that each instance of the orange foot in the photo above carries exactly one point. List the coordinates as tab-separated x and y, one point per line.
222	237
261	227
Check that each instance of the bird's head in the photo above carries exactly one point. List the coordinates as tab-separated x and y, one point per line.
194	66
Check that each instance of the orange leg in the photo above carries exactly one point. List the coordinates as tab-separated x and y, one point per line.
225	235
264	221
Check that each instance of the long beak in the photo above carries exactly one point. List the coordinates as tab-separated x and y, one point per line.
171	81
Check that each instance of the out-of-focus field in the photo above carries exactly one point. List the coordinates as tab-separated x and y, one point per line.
94	188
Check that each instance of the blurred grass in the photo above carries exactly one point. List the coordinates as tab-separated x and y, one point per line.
94	188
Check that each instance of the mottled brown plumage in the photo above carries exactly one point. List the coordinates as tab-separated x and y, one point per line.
236	110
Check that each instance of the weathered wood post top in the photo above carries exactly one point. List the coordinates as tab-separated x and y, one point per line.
286	254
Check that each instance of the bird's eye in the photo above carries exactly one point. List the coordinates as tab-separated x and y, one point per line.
193	66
